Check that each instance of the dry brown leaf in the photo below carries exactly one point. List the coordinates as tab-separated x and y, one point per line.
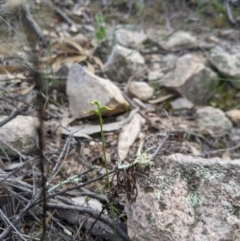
10	76
234	116
3	69
226	156
74	44
74	59
20	76
10	69
70	60
49	59
57	64
91	68
98	61
65	49
23	91
195	148
52	59
16	78
81	39
5	52
160	99
129	134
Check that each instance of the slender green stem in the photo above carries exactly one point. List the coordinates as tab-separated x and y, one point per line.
98	112
103	146
105	162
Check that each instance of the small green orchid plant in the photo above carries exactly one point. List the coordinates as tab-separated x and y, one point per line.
142	159
100	109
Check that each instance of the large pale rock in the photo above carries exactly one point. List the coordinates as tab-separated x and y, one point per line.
213	121
141	90
19	133
227	64
84	87
192	79
129	39
179	40
122	63
187	199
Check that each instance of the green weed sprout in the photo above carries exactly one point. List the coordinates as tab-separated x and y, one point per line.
140	8
101	30
99	112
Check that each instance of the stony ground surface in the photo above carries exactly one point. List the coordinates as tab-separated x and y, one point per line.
168	72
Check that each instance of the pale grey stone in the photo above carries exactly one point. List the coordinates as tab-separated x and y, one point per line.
186	199
179	40
181	103
122	63
129	39
192	79
20	133
228	64
141	90
213	121
84	87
